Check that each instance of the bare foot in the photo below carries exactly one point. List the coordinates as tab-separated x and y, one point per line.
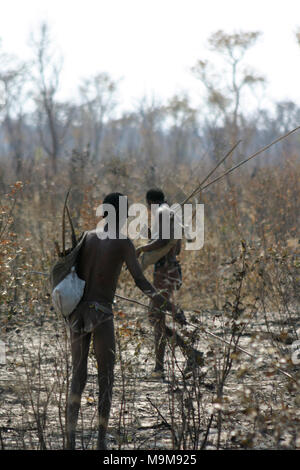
101	445
157	374
194	361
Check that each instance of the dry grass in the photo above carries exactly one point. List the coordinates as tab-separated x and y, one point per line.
244	285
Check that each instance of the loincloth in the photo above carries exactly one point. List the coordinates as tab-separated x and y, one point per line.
88	315
167	276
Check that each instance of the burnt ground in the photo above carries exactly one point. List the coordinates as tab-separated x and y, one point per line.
259	405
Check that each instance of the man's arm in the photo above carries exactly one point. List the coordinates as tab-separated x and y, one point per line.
159	242
178	248
145	286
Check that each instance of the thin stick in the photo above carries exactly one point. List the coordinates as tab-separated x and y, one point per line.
74	241
207	432
57	248
247	159
210	334
38	272
190	324
210	173
64	225
206	178
198	188
159	412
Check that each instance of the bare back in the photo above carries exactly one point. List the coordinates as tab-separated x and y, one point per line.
99	264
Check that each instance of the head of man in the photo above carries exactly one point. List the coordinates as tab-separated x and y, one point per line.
155	196
115	210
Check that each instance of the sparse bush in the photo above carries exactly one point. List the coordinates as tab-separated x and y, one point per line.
243	286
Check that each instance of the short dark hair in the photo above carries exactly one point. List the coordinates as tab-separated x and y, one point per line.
155	195
113	199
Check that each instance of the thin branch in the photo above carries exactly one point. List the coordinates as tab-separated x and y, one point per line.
249	158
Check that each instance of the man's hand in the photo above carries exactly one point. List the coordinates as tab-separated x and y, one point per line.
178	314
153	318
179	317
138	251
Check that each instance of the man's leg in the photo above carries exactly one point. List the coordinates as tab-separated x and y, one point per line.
159	343
165	286
104	347
158	321
80	348
194	357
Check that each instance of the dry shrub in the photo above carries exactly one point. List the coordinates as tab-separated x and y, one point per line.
243	285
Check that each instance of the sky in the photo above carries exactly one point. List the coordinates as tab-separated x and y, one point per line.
151	45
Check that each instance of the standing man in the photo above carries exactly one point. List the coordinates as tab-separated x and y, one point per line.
99	264
166	279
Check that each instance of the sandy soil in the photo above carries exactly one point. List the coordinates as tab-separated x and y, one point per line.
260	406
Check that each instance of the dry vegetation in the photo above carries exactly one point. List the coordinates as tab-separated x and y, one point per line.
243	286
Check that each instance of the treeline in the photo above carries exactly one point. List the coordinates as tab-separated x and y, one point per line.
36	126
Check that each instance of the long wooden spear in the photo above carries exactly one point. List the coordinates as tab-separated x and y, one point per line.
210	173
198	190
152	257
148	258
208	176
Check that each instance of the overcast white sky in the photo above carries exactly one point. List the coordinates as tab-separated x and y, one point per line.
152	44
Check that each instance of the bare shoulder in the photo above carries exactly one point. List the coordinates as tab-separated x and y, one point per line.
126	246
123	245
91	235
165	209
126	243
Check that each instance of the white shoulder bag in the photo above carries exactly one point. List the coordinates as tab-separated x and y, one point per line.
68	293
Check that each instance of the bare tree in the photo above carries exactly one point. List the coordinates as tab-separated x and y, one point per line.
13	75
183	126
298	36
151	114
98	96
54	117
225	87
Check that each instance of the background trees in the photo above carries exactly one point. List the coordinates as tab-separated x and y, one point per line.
53	117
38	126
227	85
98	100
13	75
48	145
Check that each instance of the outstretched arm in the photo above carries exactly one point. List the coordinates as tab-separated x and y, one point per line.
160	241
145	286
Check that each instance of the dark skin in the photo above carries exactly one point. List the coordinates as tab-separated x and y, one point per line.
100	264
164	282
158	243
